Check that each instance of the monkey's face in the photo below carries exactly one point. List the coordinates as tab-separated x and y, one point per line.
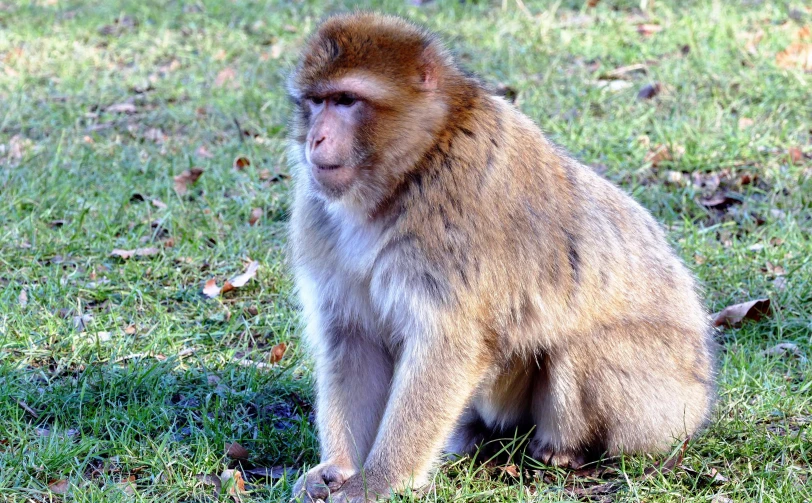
332	147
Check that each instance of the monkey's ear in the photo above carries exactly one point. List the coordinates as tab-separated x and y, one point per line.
431	65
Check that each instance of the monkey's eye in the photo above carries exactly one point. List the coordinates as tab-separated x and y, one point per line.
315	100
345	100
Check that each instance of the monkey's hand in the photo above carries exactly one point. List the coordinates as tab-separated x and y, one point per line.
361	488
320	482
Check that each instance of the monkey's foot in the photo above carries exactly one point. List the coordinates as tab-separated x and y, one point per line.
320	482
361	488
560	458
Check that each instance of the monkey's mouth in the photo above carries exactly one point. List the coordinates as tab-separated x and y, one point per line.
333	178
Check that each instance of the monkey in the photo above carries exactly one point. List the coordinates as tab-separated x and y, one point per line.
460	276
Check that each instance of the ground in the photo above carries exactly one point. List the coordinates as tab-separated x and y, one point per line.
121	380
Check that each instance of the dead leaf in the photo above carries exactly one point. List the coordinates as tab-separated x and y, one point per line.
745	122
276	472
241	163
256	214
188	177
733	316
648	29
622	72
278	352
234	481
130	329
721	498
138	252
211	290
751	41
127	486
59	486
780	283
203	152
81	321
22	299
799	53
226	75
510	470
236	451
592	3
668	464
774	270
796	155
657	155
212	480
242	279
28	409
719	200
122	108
649	91
155	134
159	204
785	349
716	477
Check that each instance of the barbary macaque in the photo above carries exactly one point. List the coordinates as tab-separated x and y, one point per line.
462	277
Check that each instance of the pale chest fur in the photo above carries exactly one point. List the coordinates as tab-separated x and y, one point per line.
334	287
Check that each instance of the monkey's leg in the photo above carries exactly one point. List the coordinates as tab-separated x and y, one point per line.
641	393
352	382
434	380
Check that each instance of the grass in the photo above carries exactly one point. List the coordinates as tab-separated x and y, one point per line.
119	381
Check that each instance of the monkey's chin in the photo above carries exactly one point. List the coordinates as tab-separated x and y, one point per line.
333	180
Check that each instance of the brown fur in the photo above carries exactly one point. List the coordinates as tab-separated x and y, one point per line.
480	276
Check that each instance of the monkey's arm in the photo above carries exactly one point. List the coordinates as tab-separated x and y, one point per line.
352	380
435	377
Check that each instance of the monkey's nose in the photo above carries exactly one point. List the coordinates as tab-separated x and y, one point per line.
316	143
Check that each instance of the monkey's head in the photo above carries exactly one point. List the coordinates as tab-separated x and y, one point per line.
370	101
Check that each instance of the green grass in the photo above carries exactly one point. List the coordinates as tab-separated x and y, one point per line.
69	169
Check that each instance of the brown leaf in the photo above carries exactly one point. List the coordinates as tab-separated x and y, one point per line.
278	352
648	29
241	163
188	177
592	3
211	290
159	204
510	470
745	122
657	155
242	279
649	91
622	72
796	155
799	53
256	214
226	75
122	108
735	315
774	270
234	481
22	299
751	40
130	329
59	486
127	485
236	451
138	252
